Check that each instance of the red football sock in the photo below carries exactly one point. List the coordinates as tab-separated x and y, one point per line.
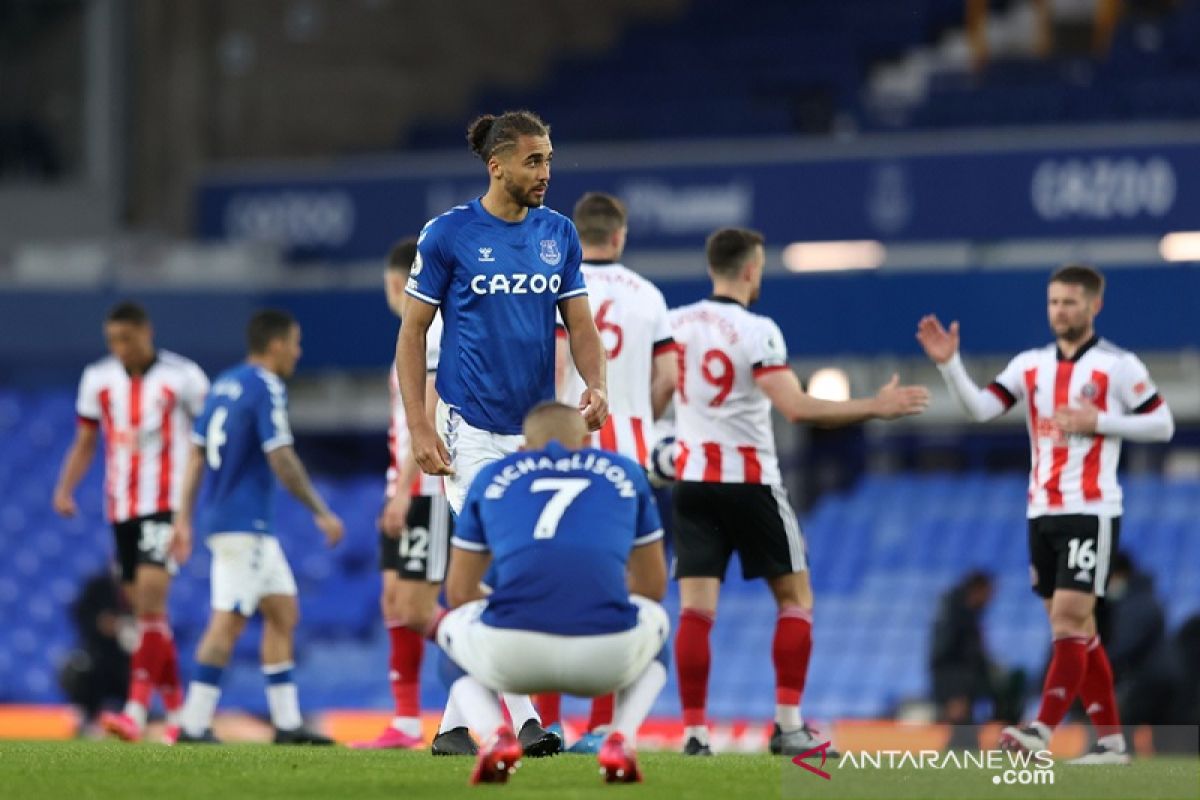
1097	693
148	658
1063	679
602	712
405	669
549	707
790	652
692	659
169	685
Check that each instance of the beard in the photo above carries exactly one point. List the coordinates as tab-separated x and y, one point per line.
524	197
1071	333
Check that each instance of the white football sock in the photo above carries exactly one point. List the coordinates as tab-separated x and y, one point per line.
407	725
521	709
453	716
199	708
633	703
136	712
479	705
282	697
789	718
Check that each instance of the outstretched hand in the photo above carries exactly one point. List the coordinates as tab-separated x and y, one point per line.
940	344
893	400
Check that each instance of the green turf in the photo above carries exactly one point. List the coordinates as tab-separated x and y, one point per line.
82	770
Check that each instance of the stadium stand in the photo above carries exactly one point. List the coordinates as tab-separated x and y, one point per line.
786	68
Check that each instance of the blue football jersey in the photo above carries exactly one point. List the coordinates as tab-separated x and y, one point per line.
498	285
244	418
560	525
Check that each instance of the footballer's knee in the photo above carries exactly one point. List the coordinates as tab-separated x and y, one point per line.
415	604
221	635
1071	614
150	589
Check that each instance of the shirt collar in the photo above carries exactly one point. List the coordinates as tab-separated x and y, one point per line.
1088	345
720	298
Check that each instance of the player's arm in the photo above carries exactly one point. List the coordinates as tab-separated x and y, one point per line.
471	554
647	571
562	361
193	473
588	353
941	345
664	370
291	473
74	467
1147	418
466	571
428	449
396	510
783	389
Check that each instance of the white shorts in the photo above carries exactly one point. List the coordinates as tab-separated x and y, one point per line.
471	449
527	662
246	567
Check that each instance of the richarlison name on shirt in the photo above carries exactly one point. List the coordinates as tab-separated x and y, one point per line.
591	462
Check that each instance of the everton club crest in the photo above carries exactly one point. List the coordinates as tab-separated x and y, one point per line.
550	252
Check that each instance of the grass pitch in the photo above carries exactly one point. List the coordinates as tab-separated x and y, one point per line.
85	770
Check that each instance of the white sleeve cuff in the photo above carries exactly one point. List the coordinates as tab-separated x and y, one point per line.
463	544
649	538
276	443
422	297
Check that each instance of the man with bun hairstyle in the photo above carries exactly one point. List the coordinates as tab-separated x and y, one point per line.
499	268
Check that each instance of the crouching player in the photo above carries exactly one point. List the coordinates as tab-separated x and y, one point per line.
579	568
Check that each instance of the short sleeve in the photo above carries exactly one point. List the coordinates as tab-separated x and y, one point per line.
1134	388
429	279
1009	385
87	403
664	339
573	284
433	343
649	523
271	418
768	350
468	528
196	390
200	424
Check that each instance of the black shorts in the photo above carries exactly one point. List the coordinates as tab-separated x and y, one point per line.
423	550
712	520
1071	551
143	540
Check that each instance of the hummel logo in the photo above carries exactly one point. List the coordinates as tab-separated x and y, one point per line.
485	254
800	762
1083	576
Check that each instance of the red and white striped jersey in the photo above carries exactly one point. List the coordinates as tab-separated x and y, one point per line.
398	438
631	316
145	421
1075	474
722	418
